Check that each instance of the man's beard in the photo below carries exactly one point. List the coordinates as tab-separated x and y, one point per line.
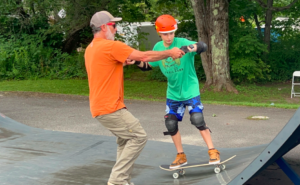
109	35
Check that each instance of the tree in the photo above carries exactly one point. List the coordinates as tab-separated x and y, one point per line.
269	9
79	12
212	25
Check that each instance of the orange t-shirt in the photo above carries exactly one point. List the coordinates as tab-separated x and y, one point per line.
104	65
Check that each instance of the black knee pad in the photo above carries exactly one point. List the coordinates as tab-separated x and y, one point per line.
197	119
171	122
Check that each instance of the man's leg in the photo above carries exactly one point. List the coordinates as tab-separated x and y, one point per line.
131	139
121	145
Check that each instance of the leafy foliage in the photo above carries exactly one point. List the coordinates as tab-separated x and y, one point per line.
284	57
29	58
37	43
246	63
34	38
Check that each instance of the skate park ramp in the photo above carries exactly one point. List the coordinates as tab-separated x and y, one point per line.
37	157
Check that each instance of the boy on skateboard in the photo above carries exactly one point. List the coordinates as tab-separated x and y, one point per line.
183	87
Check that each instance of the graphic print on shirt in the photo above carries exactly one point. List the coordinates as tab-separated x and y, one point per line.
172	66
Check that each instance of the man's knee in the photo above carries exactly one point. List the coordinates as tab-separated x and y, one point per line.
142	136
197	119
171	122
142	141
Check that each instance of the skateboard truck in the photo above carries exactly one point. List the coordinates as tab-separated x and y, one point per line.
217	169
179	172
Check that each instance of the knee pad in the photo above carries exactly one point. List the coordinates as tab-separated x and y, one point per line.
171	122
197	119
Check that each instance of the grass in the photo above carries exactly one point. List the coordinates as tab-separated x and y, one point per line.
77	87
249	95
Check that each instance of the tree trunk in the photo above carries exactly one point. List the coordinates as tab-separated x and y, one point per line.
267	32
258	27
202	17
269	10
73	40
219	44
212	25
20	10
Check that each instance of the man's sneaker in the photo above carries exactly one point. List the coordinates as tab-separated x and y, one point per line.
108	183
179	161
214	156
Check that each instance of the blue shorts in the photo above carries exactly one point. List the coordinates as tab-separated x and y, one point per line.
178	107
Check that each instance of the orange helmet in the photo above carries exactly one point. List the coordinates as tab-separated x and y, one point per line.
165	24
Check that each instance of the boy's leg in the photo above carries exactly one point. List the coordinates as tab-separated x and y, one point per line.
207	138
177	142
175	111
131	139
180	159
214	154
197	119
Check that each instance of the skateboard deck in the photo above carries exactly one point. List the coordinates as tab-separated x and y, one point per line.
181	170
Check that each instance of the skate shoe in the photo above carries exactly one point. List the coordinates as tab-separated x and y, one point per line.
179	161
214	156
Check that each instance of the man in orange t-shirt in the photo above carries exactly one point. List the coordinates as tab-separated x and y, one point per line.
104	60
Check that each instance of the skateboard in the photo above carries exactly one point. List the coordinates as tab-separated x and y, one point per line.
181	170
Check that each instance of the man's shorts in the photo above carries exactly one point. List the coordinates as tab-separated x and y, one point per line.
178	107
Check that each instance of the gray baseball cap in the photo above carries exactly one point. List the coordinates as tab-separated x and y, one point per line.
103	17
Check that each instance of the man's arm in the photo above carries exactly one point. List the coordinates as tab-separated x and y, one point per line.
151	56
198	47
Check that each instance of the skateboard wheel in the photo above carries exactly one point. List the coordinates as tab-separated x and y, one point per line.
181	172
223	167
175	175
217	170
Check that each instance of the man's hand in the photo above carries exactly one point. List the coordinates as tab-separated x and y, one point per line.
176	53
129	62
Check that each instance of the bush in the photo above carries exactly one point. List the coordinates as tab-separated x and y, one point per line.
156	74
248	70
28	58
284	57
245	60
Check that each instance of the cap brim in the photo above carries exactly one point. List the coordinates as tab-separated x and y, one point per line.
167	31
116	19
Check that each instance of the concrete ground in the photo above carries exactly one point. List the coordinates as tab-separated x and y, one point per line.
230	126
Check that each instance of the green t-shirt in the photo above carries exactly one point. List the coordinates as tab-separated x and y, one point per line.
183	83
